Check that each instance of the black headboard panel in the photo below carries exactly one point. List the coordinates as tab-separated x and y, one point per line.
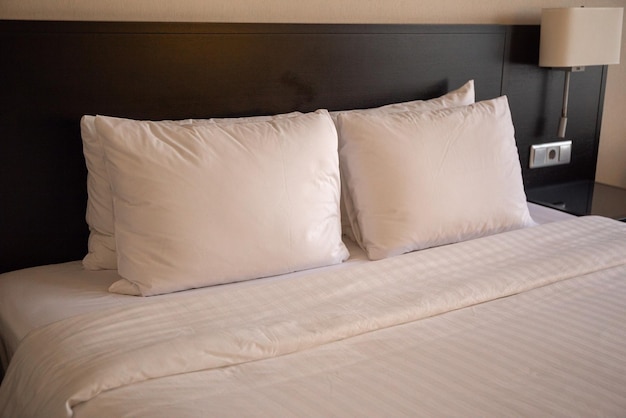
51	73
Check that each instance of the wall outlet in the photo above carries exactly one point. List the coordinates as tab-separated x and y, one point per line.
552	153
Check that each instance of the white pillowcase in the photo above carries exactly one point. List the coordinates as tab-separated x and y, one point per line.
99	216
423	179
101	245
462	96
199	205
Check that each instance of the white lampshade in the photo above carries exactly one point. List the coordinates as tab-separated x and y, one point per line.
580	36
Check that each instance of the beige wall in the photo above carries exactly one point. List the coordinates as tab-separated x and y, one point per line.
612	159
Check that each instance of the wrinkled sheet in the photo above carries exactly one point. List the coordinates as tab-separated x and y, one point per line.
155	350
34	297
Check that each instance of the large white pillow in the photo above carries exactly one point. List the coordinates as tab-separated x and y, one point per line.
99	215
198	205
462	96
423	179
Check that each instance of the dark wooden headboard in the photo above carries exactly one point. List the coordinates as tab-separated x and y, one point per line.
51	73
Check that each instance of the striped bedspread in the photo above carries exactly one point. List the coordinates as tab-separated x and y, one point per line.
530	322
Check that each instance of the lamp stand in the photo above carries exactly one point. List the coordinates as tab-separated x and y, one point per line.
563	121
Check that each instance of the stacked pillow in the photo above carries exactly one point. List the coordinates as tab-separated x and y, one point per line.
462	96
419	179
199	204
102	252
175	205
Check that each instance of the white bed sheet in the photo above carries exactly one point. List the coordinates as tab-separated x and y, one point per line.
531	355
556	345
34	297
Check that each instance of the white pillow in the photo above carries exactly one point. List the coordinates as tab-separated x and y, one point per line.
462	96
423	179
199	205
99	216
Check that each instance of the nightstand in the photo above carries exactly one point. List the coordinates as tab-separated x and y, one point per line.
582	198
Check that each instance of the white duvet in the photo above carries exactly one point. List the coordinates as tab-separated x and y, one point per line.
238	351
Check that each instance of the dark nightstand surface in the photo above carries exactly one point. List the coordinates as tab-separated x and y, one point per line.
582	198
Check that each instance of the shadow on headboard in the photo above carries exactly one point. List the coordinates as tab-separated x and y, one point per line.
54	72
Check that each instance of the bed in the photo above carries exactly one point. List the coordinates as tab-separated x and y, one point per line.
296	220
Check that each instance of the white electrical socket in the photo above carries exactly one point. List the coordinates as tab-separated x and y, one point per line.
553	153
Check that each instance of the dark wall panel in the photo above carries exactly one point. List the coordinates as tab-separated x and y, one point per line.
535	96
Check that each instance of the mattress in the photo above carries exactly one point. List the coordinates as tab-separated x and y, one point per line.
522	323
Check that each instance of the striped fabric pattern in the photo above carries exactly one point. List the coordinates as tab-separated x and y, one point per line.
526	322
554	351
